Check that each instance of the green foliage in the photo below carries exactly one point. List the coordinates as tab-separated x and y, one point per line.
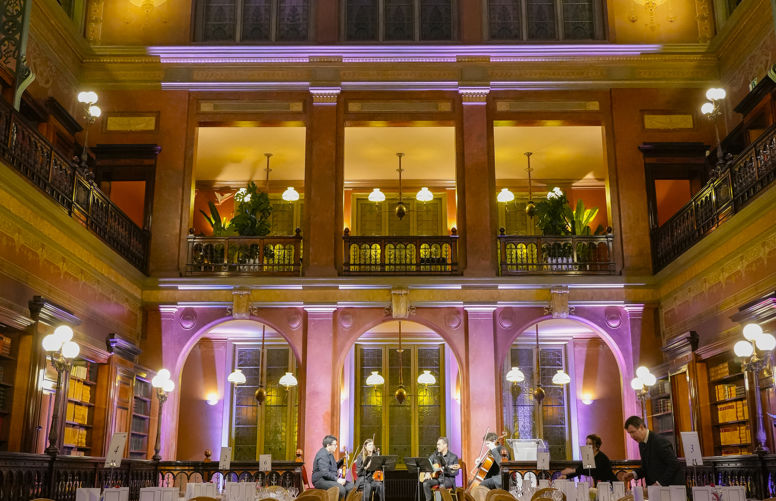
581	219
553	213
252	212
220	226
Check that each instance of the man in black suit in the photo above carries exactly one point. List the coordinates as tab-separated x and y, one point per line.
492	479
659	465
325	468
448	462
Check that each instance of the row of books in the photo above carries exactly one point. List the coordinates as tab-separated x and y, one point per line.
732	411
77	413
75	436
5	345
137	443
662	405
724	369
77	390
80	372
734	434
728	391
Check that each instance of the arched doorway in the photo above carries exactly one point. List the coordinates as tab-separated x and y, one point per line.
215	413
591	402
431	410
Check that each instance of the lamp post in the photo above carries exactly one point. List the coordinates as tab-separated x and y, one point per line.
61	350
712	110
641	383
756	340
163	385
91	113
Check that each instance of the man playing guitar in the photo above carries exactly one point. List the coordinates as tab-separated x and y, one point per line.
446	467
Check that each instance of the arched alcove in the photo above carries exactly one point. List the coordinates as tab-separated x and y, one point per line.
215	413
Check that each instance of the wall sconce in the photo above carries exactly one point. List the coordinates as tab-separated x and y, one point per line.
212	398
587	398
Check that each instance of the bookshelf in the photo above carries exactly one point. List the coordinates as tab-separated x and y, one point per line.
8	351
661	410
731	428
141	418
79	411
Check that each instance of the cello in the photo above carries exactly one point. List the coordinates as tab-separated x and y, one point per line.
483	467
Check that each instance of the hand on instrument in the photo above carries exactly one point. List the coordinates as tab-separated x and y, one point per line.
341	481
567	471
628	476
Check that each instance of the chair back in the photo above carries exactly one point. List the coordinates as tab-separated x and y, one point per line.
313	495
629	497
498	495
479	493
445	493
354	495
548	492
333	493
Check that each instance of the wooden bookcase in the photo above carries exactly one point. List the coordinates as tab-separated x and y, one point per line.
79	409
8	351
661	410
142	399
731	429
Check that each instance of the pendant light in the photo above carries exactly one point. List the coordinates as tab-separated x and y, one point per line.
401	209
424	195
290	195
401	392
376	195
261	394
530	207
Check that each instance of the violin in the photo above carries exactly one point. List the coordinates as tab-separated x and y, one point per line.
343	471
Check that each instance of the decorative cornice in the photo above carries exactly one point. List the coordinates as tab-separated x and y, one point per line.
43	310
123	348
325	96
474	95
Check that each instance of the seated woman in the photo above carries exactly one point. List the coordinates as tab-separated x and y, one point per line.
365	479
603	467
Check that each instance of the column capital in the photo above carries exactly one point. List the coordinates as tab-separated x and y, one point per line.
471	95
320	311
479	311
634	310
167	312
325	96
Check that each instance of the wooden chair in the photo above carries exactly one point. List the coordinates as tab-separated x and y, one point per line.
333	493
203	498
629	497
445	493
479	493
42	499
498	495
313	495
548	493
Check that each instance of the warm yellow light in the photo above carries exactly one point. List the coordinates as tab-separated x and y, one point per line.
290	195
375	379
426	378
376	195
212	398
424	195
505	195
707	108
70	349
715	94
743	349
288	380
95	111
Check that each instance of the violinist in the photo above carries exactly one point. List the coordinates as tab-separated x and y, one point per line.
366	479
325	467
447	465
493	477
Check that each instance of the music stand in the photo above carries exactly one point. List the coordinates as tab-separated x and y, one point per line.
416	466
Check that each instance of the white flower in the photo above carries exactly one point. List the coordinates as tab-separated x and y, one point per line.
550	195
247	198
557	191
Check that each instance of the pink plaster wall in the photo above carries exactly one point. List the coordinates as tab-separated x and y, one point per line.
597	376
199	427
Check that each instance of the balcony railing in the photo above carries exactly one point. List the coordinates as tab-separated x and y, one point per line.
244	255
29	476
409	255
556	255
34	157
752	172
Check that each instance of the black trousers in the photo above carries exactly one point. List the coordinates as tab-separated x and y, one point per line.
369	486
493	482
327	484
448	482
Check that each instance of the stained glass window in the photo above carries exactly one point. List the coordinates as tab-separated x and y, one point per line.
272	427
412	427
252	20
520	406
545	19
399	20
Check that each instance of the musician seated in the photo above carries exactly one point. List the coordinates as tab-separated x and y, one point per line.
325	474
365	479
603	467
446	467
493	477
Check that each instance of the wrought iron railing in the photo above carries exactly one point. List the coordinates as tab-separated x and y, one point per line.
755	472
34	157
29	476
433	255
244	255
731	190
562	255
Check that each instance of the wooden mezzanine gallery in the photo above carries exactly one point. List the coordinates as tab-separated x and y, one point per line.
242	241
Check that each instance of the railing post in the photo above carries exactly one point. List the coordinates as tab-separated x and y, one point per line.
52	482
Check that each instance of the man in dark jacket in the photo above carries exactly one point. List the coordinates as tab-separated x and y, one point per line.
659	465
325	468
493	477
448	468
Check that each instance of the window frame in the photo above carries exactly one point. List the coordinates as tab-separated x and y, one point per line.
387	212
387	396
298	211
599	24
454	28
292	412
198	25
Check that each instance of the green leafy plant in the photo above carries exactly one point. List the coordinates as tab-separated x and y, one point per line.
252	212
581	219
220	226
553	213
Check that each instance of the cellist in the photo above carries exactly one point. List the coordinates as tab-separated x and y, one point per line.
493	477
